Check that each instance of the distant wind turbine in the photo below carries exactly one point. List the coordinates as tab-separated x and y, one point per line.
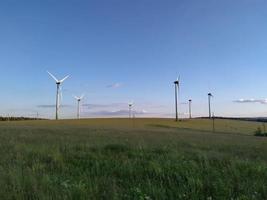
130	109
58	83
78	105
190	108
209	99
177	90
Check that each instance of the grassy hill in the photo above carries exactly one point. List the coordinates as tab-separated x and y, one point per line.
132	159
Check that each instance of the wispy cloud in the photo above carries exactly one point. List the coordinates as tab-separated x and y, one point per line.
115	85
118	113
121	109
112	105
53	106
262	101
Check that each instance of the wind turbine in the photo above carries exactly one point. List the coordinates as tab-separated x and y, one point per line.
130	109
190	108
177	89
209	98
58	83
78	105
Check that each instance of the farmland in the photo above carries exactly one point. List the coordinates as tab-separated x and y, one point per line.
132	159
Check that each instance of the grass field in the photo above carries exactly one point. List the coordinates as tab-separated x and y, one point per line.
132	159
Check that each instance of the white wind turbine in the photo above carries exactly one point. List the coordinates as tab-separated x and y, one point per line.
209	99
130	109
58	82
177	93
78	105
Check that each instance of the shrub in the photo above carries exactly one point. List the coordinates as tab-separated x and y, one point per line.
260	133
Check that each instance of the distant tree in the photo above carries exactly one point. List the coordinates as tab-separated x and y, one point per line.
18	118
259	132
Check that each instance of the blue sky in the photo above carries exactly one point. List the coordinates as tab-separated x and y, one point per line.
139	47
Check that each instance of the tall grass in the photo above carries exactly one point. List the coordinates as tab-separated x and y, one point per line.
77	162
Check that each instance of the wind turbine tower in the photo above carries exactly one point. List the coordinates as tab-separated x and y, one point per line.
209	99
130	109
78	105
176	88
190	108
58	83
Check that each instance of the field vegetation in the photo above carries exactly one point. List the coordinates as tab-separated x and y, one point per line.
132	159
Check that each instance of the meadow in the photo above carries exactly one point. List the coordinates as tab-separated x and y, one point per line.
132	159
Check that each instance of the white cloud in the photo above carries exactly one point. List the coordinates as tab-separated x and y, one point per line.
262	101
53	106
111	105
114	85
117	113
115	110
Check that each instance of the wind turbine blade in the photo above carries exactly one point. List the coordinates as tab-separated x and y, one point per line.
61	96
61	81
82	96
75	97
52	76
178	85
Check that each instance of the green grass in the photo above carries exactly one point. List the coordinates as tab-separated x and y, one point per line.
126	159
